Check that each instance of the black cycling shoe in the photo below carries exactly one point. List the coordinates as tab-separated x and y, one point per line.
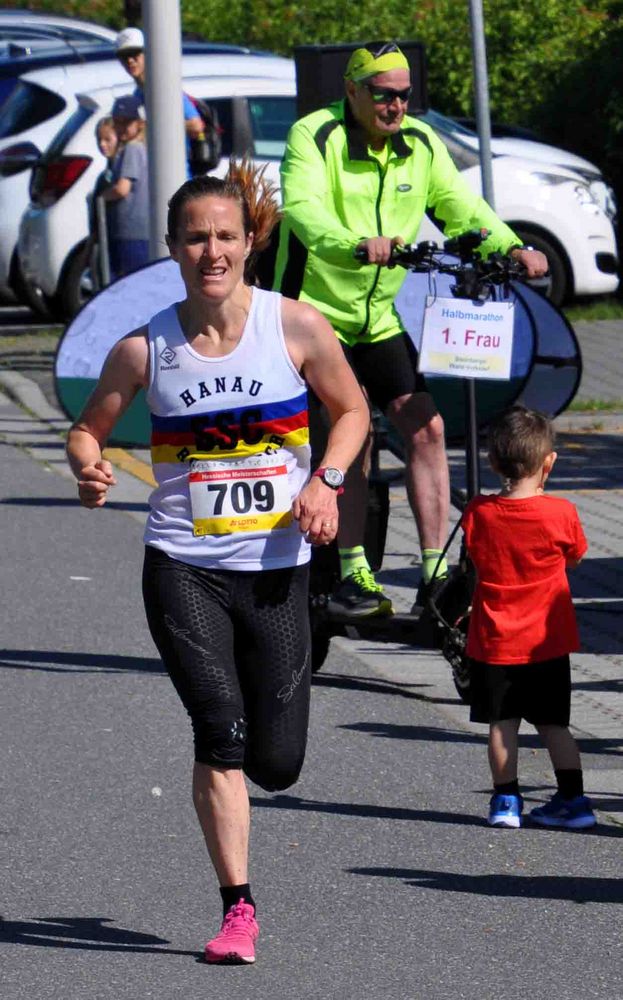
427	591
359	596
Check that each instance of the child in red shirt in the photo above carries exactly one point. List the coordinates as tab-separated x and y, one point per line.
522	626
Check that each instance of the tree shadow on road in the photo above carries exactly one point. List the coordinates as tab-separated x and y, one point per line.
435	734
55	661
378	686
84	933
366	810
68	502
574	889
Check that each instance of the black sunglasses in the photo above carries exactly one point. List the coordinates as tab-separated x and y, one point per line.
385	95
129	54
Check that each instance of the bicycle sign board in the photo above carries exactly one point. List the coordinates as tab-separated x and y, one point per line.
467	339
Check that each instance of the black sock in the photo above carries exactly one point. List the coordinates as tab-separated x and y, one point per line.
232	894
570	782
508	788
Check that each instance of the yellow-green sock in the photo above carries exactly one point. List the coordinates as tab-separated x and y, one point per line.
432	566
352	559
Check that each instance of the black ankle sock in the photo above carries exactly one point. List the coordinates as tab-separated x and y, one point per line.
570	782
508	788
232	894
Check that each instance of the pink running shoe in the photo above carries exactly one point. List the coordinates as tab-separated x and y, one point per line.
235	942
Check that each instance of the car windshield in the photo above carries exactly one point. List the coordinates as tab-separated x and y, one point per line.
6	86
444	124
27	105
271	118
463	156
26	39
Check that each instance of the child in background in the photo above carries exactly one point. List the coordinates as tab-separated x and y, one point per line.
107	141
522	626
127	197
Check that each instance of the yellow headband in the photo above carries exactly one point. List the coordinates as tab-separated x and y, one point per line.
363	63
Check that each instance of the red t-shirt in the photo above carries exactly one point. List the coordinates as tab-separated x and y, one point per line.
522	610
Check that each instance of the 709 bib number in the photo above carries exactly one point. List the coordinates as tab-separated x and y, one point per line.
243	498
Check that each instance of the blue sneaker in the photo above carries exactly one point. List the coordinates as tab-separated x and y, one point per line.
572	814
505	810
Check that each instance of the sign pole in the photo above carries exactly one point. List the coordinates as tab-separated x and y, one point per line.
483	127
166	141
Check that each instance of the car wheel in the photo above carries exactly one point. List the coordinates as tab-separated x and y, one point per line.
77	285
555	286
28	294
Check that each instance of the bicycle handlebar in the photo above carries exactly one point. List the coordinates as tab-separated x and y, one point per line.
475	276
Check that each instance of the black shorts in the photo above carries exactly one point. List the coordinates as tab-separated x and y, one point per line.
387	369
540	693
237	648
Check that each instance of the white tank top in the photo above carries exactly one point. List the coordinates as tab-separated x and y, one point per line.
229	445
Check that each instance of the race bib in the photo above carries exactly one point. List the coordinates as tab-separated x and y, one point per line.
247	494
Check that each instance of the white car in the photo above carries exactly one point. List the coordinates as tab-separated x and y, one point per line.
532	149
26	31
37	107
255	99
550	207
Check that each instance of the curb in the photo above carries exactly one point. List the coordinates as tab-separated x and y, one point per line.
27	393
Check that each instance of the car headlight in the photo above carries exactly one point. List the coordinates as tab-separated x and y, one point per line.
586	199
582	191
605	198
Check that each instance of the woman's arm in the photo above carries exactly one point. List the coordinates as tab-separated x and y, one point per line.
125	372
316	352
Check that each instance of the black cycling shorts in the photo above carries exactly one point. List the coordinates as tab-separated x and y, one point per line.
237	648
387	369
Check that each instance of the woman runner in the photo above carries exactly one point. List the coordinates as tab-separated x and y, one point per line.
234	511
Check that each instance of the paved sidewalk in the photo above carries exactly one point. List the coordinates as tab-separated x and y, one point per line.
602	376
588	473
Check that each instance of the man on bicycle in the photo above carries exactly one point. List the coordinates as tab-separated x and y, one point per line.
359	175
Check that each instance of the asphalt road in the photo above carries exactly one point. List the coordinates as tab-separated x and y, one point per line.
375	874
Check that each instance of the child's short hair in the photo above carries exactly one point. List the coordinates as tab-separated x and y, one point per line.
519	441
105	122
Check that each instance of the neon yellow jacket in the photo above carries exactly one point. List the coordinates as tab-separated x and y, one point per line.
335	193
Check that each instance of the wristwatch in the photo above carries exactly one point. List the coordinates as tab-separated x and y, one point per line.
333	478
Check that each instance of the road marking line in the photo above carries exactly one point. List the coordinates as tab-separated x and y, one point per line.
123	460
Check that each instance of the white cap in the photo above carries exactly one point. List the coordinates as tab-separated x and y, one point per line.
130	38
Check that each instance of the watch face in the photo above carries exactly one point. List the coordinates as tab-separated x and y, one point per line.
333	477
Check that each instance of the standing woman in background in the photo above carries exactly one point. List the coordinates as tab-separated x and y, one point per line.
127	198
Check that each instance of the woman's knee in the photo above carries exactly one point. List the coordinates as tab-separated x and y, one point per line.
274	772
221	741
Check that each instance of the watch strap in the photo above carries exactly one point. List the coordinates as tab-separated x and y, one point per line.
319	473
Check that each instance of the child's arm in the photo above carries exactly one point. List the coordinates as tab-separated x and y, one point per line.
120	189
579	546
